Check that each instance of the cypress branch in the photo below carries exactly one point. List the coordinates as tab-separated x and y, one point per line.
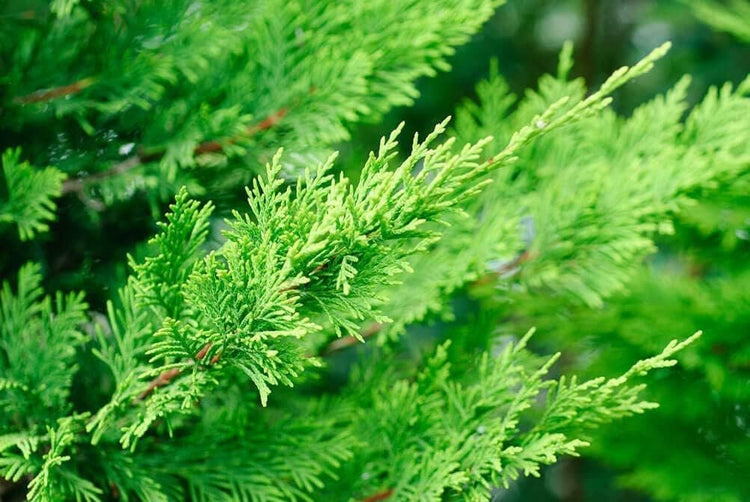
214	373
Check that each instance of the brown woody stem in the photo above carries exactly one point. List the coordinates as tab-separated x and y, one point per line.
385	494
57	92
163	379
349	340
72	185
166	376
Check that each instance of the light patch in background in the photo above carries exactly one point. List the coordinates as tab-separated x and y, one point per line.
557	26
650	35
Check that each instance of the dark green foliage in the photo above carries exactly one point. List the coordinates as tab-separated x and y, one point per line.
214	374
210	88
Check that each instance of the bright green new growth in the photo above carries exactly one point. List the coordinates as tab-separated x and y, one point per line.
304	260
466	440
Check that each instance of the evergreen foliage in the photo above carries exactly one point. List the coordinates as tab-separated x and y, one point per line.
28	196
732	17
579	239
699	442
209	377
142	90
631	174
696	448
450	433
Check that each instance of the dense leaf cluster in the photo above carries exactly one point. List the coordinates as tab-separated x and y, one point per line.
208	378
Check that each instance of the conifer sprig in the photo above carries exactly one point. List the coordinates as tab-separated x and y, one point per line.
310	256
447	433
43	328
532	227
27	194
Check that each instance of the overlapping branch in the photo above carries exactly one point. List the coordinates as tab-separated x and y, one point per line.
76	185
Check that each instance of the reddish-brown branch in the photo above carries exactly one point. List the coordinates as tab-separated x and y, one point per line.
268	122
263	125
76	184
207	147
163	379
202	353
506	268
166	376
349	340
385	494
57	92
114	491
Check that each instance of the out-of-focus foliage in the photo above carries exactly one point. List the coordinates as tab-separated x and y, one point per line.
732	17
176	92
578	211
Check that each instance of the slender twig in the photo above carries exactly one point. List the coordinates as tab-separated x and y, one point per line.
349	340
76	184
202	353
263	125
57	92
163	379
506	269
385	494
26	15
166	376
